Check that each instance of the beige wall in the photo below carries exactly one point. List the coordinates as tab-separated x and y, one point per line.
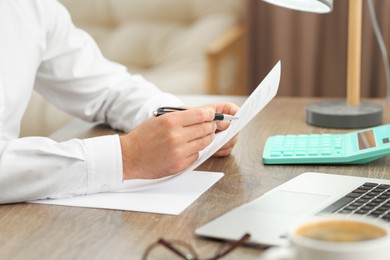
313	47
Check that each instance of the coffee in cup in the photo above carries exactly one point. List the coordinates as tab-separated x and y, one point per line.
336	237
341	230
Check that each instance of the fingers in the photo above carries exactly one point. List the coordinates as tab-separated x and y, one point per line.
222	125
191	116
223	108
196	145
170	143
189	125
199	130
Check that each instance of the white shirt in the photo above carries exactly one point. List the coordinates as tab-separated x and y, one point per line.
41	49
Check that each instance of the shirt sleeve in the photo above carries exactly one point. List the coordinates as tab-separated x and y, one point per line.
38	167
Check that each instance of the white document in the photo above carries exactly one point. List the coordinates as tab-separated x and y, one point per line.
171	195
259	98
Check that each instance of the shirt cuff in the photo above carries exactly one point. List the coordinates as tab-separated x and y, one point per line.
104	163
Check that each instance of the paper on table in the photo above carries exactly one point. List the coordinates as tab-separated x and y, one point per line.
170	197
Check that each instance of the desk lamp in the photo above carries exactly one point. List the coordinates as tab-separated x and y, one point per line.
340	113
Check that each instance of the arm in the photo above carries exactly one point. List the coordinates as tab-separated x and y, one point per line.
73	75
124	102
37	167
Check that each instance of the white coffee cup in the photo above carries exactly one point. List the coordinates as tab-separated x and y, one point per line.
335	238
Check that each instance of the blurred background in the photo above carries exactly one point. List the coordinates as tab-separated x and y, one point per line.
224	47
183	46
313	49
227	46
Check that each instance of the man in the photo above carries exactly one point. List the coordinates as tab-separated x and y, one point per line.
41	49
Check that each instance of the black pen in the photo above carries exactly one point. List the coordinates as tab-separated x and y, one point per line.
218	117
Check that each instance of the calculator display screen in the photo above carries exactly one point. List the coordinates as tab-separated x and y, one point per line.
366	139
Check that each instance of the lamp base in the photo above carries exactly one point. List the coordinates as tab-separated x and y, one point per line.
338	114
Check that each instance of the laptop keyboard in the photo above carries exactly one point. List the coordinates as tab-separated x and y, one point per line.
370	199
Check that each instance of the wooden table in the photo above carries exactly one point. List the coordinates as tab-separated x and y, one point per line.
31	231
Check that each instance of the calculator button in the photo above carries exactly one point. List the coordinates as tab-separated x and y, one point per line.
288	153
300	152
277	148
337	143
276	154
326	151
313	144
313	152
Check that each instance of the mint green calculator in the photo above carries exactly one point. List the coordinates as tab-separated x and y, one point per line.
356	147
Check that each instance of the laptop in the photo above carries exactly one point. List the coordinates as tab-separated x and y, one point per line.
269	217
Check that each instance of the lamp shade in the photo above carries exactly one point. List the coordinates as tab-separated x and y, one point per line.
315	6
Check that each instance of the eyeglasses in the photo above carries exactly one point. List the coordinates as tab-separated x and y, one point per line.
186	251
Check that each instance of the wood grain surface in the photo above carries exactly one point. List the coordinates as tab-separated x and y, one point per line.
32	231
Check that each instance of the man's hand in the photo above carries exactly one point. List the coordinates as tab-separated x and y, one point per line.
167	144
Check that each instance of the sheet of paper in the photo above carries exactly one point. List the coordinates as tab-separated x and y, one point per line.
170	197
259	98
